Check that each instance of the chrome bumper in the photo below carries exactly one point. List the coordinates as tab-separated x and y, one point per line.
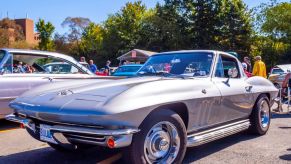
65	134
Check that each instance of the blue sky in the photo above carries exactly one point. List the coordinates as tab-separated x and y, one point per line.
56	11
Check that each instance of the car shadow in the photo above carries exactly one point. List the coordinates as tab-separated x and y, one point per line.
277	115
7	125
48	155
197	153
286	157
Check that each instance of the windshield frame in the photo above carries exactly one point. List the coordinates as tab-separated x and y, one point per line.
183	53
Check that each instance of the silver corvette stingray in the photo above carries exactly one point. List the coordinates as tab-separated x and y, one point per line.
177	100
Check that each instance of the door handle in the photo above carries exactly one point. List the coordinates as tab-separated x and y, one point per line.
50	79
248	88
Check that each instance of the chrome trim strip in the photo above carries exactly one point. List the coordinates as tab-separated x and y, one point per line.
7	98
69	135
83	130
217	133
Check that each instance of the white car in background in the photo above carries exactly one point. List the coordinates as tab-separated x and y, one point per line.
278	73
47	67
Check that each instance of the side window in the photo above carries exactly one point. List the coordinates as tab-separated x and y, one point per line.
40	64
7	66
224	64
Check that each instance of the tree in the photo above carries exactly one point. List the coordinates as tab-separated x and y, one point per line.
76	28
236	29
203	22
91	41
278	21
122	30
62	44
273	37
45	34
165	28
10	32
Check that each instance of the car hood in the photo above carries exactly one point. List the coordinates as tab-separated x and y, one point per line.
72	95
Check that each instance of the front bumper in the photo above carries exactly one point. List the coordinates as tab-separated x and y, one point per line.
70	134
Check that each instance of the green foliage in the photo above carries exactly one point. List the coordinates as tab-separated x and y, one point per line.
273	39
45	34
122	30
91	41
234	33
225	25
165	29
278	21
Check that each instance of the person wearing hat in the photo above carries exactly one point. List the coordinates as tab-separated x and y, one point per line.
259	67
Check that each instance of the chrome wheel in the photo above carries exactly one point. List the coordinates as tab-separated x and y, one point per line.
162	143
264	113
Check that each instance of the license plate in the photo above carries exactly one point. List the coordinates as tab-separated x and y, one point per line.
45	134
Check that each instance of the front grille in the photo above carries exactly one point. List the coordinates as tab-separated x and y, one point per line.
84	138
37	122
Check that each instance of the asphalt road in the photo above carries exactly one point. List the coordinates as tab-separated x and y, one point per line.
16	146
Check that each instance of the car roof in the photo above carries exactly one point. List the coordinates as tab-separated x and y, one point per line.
37	52
284	67
57	63
191	51
46	53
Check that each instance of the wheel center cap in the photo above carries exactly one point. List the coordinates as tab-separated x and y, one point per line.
164	145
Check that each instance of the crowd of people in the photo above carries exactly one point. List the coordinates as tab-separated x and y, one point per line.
94	69
259	68
23	68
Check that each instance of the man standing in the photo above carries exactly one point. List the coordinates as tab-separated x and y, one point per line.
248	63
92	66
259	67
107	67
83	59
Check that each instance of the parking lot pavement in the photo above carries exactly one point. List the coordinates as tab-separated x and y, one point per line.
16	146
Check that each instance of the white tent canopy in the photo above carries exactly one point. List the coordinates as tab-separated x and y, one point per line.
136	55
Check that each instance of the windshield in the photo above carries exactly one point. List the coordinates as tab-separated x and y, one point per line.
277	71
58	68
127	69
184	64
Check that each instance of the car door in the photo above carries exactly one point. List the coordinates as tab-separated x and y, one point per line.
236	93
13	85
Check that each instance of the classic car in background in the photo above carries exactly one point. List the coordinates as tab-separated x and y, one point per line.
22	70
128	70
180	99
278	73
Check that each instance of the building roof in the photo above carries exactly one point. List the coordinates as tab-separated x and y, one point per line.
141	55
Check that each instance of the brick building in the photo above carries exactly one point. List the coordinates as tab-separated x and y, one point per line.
28	29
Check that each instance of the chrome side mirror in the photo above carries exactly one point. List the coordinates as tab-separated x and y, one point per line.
232	73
